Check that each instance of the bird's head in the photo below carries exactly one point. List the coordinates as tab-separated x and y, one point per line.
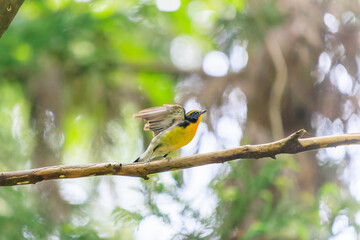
194	115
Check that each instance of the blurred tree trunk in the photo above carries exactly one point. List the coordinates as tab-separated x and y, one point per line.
45	94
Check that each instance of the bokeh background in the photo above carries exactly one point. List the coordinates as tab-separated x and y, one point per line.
73	72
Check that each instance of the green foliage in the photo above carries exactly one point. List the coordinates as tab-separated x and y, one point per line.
158	89
127	217
263	196
15	135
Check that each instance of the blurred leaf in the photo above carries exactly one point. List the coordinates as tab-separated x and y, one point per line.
158	88
257	229
123	216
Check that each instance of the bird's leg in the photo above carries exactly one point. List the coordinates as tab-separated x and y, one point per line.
167	158
148	160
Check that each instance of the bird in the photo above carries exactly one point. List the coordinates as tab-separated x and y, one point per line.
172	129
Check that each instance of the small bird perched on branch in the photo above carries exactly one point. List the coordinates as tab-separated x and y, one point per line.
172	129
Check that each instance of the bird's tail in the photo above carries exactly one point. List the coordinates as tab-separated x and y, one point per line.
145	156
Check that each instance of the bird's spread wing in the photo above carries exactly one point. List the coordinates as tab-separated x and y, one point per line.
160	118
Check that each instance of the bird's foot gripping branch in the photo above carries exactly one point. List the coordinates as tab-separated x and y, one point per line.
291	145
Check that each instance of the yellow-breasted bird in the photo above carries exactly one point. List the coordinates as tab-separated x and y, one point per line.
172	129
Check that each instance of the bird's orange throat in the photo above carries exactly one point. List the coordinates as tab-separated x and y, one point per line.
194	126
198	121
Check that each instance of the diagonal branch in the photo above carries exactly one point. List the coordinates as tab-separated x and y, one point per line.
8	10
291	144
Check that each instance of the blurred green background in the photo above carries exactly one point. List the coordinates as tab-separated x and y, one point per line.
72	74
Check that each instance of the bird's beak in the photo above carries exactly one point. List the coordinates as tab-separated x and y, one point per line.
202	112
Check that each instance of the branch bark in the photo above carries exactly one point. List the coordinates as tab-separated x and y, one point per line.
8	10
291	144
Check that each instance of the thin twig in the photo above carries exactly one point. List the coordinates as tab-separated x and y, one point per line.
277	90
291	144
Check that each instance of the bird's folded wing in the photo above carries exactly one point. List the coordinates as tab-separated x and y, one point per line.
160	118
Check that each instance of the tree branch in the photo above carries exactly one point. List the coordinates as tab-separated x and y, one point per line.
277	89
8	10
291	144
